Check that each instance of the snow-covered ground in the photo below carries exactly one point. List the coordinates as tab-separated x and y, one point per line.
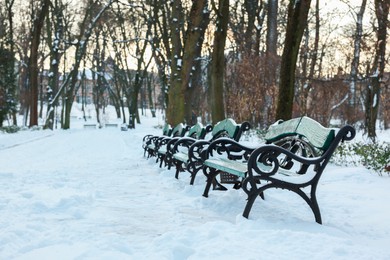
91	194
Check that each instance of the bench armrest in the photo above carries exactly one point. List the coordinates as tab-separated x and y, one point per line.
195	155
174	144
147	137
162	141
146	140
180	142
151	139
197	149
230	148
272	158
269	155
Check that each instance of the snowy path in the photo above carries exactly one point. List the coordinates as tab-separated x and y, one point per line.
61	183
80	187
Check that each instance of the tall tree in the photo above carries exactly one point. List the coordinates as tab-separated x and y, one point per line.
186	47
218	61
198	21
161	49
38	22
356	60
309	61
7	64
272	30
374	88
297	20
175	109
7	83
57	22
94	12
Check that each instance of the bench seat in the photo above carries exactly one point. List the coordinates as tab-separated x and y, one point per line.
181	156
240	169
230	166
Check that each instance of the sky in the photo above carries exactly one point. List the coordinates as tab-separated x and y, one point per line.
91	194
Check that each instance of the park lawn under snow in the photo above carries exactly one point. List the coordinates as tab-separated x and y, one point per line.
91	194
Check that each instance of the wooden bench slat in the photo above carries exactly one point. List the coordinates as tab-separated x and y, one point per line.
281	129
229	166
111	125
227	126
182	157
90	126
198	131
317	135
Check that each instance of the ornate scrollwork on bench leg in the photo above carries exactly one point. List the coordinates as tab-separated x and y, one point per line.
211	175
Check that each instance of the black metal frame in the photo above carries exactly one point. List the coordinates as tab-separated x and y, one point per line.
258	180
282	154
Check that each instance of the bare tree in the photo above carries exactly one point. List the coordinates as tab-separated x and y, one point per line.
186	47
197	24
7	64
356	61
90	19
38	22
272	31
374	88
58	23
296	24
218	61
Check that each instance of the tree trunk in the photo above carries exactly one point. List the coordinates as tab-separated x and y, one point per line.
36	38
56	33
176	108
197	25
252	12
355	63
9	7
218	63
309	76
69	85
296	24
272	29
373	90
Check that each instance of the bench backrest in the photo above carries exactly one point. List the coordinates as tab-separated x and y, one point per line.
179	130
229	128
198	131
167	130
317	135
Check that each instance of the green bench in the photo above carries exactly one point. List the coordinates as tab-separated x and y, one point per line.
293	158
160	145
90	126
109	125
196	132
149	141
186	153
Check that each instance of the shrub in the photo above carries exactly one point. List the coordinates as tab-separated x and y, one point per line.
374	156
10	129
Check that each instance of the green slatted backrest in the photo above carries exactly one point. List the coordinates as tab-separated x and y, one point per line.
319	136
179	130
227	127
282	129
167	130
197	131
